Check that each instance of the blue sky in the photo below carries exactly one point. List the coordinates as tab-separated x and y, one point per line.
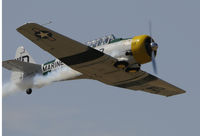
89	108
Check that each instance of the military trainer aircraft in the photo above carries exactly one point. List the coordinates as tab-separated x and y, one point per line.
113	61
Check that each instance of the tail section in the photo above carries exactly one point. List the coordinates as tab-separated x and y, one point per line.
23	69
23	56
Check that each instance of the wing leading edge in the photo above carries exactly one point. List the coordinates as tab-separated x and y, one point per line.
93	63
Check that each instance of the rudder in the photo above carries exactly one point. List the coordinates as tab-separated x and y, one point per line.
21	55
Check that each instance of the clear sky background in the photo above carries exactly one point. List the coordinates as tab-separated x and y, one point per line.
90	108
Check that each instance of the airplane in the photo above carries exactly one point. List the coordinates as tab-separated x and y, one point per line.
113	61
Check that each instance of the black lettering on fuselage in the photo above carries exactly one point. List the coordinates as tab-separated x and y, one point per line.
44	68
23	58
51	66
102	49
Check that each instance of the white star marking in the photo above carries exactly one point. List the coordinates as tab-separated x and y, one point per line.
42	34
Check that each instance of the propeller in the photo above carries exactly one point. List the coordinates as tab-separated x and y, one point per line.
154	47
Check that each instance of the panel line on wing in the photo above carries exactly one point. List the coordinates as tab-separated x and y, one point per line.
140	82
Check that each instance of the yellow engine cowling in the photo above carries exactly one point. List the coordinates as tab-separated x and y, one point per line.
141	48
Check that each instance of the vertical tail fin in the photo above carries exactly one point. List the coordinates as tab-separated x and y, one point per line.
21	55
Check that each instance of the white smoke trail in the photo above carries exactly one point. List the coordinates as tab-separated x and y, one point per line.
59	74
9	88
15	86
38	81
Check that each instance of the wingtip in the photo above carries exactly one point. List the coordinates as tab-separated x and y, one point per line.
24	25
180	92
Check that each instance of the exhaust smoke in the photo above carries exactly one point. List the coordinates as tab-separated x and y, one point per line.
39	80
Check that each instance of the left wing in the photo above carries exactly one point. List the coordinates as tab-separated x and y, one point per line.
149	83
93	63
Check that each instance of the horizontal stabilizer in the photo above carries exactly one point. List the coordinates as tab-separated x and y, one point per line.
19	66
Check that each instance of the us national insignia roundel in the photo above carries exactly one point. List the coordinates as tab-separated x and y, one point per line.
42	34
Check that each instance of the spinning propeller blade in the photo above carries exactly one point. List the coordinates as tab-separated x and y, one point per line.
154	47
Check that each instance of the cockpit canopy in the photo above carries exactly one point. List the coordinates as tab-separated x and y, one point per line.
101	41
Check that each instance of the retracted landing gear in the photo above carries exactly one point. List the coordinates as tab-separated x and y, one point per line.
29	91
128	68
132	70
121	64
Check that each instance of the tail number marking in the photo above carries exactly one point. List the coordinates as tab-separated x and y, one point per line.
23	58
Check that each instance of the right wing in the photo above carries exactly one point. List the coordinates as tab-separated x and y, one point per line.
58	45
74	54
93	63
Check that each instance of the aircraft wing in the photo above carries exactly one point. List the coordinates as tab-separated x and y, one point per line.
19	66
152	84
93	63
